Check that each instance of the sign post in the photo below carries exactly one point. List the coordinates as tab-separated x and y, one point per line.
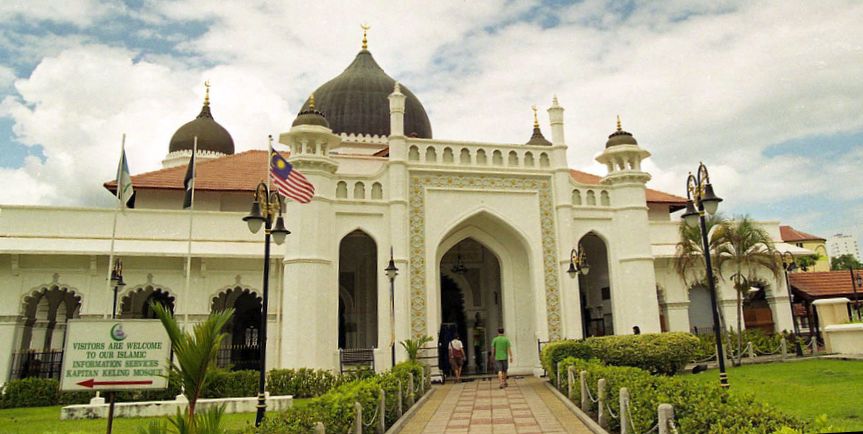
112	355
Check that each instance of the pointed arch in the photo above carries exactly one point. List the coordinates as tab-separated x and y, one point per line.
358	276
135	301
595	288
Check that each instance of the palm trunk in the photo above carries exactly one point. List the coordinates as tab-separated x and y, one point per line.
737	362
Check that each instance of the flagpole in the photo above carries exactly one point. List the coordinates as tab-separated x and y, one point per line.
194	162
116	210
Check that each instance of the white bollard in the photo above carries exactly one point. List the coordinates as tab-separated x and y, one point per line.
783	347
411	396
666	414
319	428
382	413
570	381
358	418
558	376
751	349
601	395
624	410
585	401
399	399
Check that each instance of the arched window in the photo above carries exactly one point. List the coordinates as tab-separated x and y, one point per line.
448	156
591	198
135	304
543	160
377	191
414	154
464	156
342	190
528	159
240	349
431	155
481	158
604	199
497	158
45	313
359	191
576	197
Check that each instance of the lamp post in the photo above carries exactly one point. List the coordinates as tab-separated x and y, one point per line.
578	262
856	283
392	272
700	199
267	205
789	264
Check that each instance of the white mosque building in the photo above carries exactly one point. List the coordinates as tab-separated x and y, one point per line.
481	234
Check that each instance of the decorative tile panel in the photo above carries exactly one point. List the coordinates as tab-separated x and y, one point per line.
417	189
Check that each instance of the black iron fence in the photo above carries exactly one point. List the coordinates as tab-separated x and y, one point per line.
37	364
239	357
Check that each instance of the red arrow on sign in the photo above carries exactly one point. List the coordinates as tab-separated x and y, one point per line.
92	382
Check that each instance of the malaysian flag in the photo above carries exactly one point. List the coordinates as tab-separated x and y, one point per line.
289	181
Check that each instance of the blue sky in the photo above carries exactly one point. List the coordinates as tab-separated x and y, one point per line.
766	94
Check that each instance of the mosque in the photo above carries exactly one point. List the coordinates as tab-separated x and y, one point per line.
482	235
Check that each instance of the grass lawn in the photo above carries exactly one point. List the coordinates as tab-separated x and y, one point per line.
46	420
807	389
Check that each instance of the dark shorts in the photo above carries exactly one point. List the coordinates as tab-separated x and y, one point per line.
501	365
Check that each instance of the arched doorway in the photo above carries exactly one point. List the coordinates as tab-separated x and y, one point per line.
757	313
595	289
136	304
358	291
45	313
240	349
471	302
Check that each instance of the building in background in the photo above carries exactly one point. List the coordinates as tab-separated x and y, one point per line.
841	244
820	261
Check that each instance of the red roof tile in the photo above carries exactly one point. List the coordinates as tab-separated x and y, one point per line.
243	172
825	284
790	234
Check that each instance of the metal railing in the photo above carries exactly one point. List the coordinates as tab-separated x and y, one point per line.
239	357
37	364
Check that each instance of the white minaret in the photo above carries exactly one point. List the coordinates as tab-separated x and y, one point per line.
310	323
633	293
398	218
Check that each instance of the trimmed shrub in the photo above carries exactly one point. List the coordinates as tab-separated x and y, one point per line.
336	407
762	343
697	407
222	383
30	392
301	383
657	353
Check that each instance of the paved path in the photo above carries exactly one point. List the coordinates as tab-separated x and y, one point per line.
526	406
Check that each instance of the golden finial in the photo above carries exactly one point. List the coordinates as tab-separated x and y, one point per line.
365	28
207	93
535	119
619	127
312	102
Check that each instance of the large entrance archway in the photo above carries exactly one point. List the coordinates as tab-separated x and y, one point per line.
470	302
484	281
595	289
240	349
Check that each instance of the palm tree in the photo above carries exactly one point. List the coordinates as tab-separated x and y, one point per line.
743	250
689	257
195	354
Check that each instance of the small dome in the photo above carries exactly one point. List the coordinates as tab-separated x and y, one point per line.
356	101
620	137
311	116
537	138
211	136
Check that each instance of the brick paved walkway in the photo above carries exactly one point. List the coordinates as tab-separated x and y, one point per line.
526	406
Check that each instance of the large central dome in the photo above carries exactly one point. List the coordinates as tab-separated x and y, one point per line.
356	101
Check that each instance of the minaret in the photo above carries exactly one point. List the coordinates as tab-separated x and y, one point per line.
555	115
398	213
633	276
310	326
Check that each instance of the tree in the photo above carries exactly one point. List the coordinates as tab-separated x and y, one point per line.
804	262
689	256
195	356
743	249
844	262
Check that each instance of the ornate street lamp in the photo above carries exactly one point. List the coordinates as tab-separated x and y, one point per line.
700	198
788	265
391	272
267	205
578	262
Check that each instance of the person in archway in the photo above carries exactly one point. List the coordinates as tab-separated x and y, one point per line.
502	349
456	356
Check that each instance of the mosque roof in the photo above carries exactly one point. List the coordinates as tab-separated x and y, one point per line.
356	101
243	172
789	234
211	135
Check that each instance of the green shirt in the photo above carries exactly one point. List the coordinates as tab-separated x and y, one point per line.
501	347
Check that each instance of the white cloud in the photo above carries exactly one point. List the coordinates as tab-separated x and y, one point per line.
7	76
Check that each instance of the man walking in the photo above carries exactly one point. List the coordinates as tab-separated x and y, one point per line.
502	349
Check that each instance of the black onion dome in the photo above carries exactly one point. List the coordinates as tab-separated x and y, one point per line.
620	137
311	117
537	138
211	136
356	101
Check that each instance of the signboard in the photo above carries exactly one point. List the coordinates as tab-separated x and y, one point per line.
115	355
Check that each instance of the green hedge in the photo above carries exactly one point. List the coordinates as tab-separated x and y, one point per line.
657	353
698	408
222	383
336	407
41	392
763	343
